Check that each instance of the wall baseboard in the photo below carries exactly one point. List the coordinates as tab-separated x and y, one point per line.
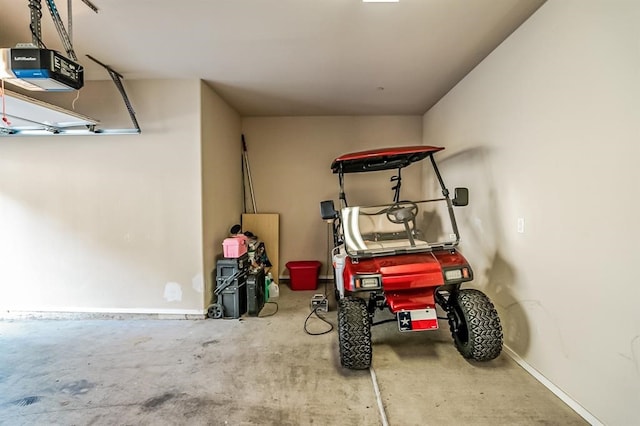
573	404
102	313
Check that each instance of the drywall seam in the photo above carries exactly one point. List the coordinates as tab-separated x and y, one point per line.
573	404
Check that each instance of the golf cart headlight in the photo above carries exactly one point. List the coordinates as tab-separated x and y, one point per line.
368	282
456	274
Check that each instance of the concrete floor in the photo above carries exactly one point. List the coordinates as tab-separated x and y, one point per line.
253	371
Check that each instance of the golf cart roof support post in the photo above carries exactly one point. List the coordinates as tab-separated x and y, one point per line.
396	195
454	224
445	191
342	196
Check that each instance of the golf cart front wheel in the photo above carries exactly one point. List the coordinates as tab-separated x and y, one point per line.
354	333
475	326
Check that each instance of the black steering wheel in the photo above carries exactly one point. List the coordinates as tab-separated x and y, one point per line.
402	212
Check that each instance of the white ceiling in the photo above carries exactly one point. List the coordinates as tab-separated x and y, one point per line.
287	57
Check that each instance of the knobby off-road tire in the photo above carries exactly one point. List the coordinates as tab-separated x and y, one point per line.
354	333
476	329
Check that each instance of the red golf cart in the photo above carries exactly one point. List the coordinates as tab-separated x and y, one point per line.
403	257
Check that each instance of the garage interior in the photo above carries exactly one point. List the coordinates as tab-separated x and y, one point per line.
109	241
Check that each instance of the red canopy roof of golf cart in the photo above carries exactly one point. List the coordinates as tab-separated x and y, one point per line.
382	158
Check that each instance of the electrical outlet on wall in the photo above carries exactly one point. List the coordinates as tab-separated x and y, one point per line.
520	225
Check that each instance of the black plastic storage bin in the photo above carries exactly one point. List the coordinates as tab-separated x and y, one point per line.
233	300
228	267
255	292
231	286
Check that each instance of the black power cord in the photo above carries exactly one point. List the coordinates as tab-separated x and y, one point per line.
35	35
272	313
315	311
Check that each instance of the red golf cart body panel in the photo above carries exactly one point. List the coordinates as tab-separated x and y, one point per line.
409	281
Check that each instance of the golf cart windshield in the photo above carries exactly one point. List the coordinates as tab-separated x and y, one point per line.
402	226
398	228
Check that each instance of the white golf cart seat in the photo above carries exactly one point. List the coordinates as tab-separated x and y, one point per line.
365	231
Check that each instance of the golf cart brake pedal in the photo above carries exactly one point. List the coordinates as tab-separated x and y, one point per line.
319	303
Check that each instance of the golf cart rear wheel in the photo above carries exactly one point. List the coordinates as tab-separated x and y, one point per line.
475	326
354	333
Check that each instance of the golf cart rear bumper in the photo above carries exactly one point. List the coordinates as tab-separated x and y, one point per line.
407	301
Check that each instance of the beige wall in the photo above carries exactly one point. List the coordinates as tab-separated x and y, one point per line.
547	129
221	177
109	223
290	160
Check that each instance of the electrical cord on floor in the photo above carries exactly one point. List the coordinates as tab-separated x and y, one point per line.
326	296
314	311
271	314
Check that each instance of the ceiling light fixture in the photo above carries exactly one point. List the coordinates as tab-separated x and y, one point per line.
380	1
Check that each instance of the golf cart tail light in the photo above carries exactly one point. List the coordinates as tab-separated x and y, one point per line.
370	282
465	272
453	274
367	282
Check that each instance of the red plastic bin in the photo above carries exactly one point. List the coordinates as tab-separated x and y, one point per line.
303	274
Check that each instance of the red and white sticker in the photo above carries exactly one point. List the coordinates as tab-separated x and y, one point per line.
418	320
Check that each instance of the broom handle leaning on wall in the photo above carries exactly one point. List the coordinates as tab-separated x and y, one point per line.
246	162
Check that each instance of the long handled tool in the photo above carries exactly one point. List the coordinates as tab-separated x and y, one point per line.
244	185
246	164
